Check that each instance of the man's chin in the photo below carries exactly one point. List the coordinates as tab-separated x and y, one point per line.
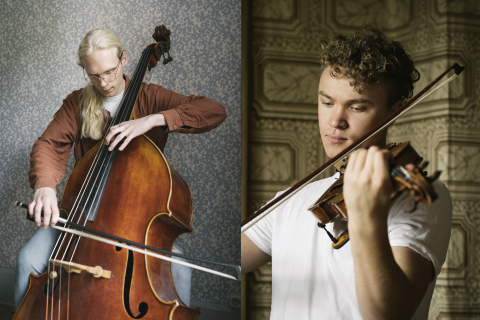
332	150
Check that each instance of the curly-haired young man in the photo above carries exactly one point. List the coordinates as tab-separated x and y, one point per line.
388	268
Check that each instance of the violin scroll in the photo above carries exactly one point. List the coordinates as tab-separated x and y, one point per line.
417	184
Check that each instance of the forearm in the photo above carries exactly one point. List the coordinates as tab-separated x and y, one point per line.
382	288
252	256
157	120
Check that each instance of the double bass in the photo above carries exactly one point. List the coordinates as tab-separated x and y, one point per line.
134	195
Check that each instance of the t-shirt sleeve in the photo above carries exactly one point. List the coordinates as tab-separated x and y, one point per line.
425	230
261	233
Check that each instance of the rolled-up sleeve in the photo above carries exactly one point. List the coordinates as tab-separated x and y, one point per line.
50	152
184	114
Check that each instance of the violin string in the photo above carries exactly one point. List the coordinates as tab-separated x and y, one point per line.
266	212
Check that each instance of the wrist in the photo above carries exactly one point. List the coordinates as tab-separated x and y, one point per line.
157	120
367	226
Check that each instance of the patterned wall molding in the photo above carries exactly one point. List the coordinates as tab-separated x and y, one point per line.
286	84
456	153
458	292
277	160
349	16
279	17
456	269
462	14
451	99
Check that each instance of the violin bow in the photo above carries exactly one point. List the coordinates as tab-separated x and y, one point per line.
269	207
139	247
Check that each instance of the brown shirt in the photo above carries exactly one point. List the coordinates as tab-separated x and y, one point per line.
185	114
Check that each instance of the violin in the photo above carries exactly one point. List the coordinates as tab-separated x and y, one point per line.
331	205
141	204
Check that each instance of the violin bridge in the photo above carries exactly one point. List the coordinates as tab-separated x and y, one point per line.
69	267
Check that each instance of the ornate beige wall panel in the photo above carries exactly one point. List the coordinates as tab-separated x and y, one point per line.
286	84
461	14
444	128
457	294
277	159
460	255
388	15
285	17
449	99
281	153
396	16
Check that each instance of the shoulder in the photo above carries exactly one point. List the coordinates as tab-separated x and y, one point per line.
71	102
74	97
150	87
427	229
441	204
69	114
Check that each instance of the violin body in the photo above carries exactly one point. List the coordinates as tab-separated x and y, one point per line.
145	200
331	205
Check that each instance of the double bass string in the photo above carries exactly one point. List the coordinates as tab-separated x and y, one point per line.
107	156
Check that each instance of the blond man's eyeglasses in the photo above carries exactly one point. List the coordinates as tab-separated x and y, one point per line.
108	76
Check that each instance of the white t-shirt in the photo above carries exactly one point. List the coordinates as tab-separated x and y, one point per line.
112	103
311	280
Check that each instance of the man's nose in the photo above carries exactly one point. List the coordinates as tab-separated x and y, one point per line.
103	83
338	118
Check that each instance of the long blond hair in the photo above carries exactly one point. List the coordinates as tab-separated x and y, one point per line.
92	112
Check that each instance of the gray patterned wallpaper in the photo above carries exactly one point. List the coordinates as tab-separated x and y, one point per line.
38	44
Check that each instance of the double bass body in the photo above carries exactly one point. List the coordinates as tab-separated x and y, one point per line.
145	201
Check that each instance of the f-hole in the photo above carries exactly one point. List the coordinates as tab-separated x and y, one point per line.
143	306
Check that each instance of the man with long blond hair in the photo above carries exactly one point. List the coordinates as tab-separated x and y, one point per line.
388	268
82	120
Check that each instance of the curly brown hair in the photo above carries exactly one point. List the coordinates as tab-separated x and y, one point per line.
368	57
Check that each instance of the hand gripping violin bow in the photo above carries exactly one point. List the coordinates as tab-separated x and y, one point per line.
124	212
330	206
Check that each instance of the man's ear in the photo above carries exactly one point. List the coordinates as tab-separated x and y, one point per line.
124	58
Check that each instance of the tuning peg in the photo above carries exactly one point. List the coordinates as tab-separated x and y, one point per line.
167	59
434	176
423	165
